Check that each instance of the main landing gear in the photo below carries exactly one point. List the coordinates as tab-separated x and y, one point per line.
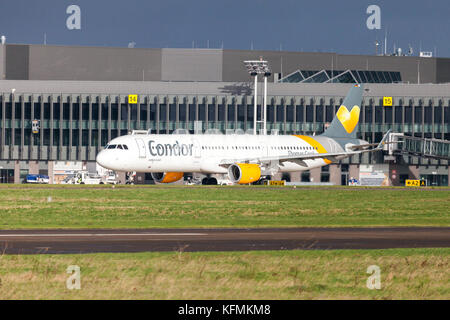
209	181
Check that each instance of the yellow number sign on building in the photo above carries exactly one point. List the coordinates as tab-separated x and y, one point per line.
132	99
387	101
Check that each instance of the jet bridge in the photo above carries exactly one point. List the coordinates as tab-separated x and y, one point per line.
428	148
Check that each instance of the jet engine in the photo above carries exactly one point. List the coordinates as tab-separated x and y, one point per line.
244	173
167	177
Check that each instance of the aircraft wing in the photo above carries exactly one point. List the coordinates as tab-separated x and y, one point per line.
295	157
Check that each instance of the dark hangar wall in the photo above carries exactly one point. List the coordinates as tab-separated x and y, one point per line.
94	63
40	62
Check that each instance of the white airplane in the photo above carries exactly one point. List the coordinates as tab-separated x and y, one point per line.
244	158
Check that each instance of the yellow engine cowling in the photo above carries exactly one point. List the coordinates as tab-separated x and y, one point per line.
244	173
167	177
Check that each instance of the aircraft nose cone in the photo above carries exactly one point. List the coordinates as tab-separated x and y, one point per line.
102	159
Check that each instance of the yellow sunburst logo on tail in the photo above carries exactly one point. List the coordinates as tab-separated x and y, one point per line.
348	119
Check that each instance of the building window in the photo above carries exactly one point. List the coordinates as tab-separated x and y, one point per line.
325	177
37	111
241	113
408	114
65	137
387	114
437	114
104	111
221	115
123	112
152	112
280	113
133	111
85	138
329	113
378	114
18	111
95	111
75	137
299	111
47	137
56	111
8	112
47	111
75	111
66	111
250	113
192	112
172	112
27	111
182	112
201	112
162	112
398	114
319	113
270	113
306	176
368	115
85	111
17	137
290	113
56	138
286	176
418	114
309	114
428	115
211	112
143	112
94	138
231	112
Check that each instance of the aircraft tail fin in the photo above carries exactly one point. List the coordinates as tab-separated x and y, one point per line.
345	123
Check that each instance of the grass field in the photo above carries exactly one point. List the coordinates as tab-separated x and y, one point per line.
405	274
24	207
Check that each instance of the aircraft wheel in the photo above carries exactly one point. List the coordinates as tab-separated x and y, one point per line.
212	181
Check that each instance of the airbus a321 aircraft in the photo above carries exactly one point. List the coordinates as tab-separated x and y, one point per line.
244	158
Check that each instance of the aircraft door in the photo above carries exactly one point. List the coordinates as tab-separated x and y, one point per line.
141	147
197	149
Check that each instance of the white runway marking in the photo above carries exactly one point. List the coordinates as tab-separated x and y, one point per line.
97	234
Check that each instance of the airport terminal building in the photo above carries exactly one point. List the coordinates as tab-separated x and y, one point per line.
60	105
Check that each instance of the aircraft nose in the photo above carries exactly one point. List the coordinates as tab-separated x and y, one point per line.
102	159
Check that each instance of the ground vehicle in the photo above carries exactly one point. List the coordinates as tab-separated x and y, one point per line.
83	177
38	179
110	178
224	182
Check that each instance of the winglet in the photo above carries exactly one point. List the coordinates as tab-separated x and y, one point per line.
383	141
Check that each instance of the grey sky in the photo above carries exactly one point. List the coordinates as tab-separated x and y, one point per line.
320	25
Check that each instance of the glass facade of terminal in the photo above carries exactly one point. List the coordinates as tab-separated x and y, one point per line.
76	127
343	76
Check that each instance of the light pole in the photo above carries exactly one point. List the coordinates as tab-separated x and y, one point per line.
256	67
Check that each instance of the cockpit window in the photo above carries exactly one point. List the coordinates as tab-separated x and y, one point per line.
117	146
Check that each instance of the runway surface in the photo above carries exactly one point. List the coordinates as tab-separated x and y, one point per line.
92	241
